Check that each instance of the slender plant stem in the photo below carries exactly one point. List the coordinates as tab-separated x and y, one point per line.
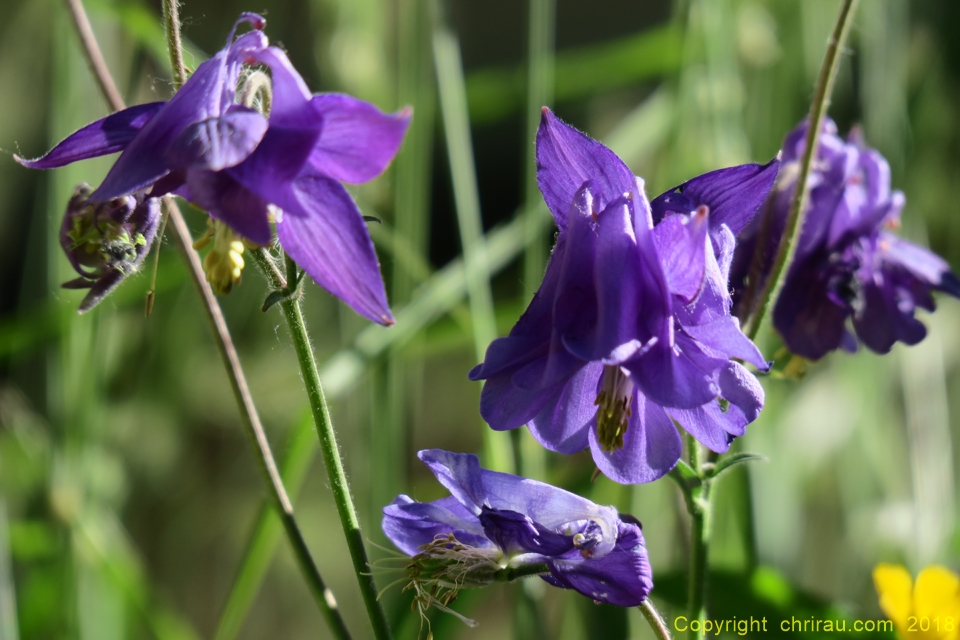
254	429
91	51
171	25
524	571
251	420
818	109
654	619
698	503
328	446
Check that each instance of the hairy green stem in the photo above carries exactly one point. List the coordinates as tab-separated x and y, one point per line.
254	429
329	448
654	619
509	574
697	495
248	411
798	205
171	25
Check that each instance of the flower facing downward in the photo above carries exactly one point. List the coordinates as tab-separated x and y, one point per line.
235	162
106	241
849	269
631	330
494	523
926	610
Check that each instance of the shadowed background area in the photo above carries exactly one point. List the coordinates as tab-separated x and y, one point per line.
128	497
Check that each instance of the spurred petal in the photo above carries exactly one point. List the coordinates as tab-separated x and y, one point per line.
734	195
682	245
567	158
107	135
143	161
218	143
410	525
324	232
622	577
919	262
357	140
547	505
565	419
290	106
724	336
651	445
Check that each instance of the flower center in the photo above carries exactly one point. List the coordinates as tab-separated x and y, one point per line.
224	263
613	408
100	236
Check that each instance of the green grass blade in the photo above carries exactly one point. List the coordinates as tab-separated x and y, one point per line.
456	124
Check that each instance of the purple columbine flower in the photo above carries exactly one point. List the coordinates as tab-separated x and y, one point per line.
106	241
494	521
235	163
631	330
848	265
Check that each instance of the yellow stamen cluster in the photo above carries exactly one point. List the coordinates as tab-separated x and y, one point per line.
224	263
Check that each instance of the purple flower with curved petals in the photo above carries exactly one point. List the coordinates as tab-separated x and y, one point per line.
106	241
848	265
232	161
631	330
497	520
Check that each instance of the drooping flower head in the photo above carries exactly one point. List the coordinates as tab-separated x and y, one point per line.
494	521
106	241
928	609
631	329
234	162
849	269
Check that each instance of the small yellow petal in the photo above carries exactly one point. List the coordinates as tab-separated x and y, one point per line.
895	587
936	596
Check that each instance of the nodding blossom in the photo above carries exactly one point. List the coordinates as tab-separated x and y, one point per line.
850	271
494	523
244	167
106	241
630	333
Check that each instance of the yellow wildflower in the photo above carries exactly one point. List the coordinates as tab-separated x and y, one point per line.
926	610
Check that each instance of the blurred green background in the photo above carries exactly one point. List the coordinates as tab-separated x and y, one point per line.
128	497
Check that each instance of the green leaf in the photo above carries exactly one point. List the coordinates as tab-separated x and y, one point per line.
730	461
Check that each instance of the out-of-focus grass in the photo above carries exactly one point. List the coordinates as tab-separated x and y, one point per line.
130	496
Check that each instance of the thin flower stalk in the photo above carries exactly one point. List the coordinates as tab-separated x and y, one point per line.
254	429
329	448
818	110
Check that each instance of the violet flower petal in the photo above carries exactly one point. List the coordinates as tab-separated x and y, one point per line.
105	136
357	140
622	577
410	525
734	195
651	445
682	244
226	199
567	158
564	421
324	232
218	143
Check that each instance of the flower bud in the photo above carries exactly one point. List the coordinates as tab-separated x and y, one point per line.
106	241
